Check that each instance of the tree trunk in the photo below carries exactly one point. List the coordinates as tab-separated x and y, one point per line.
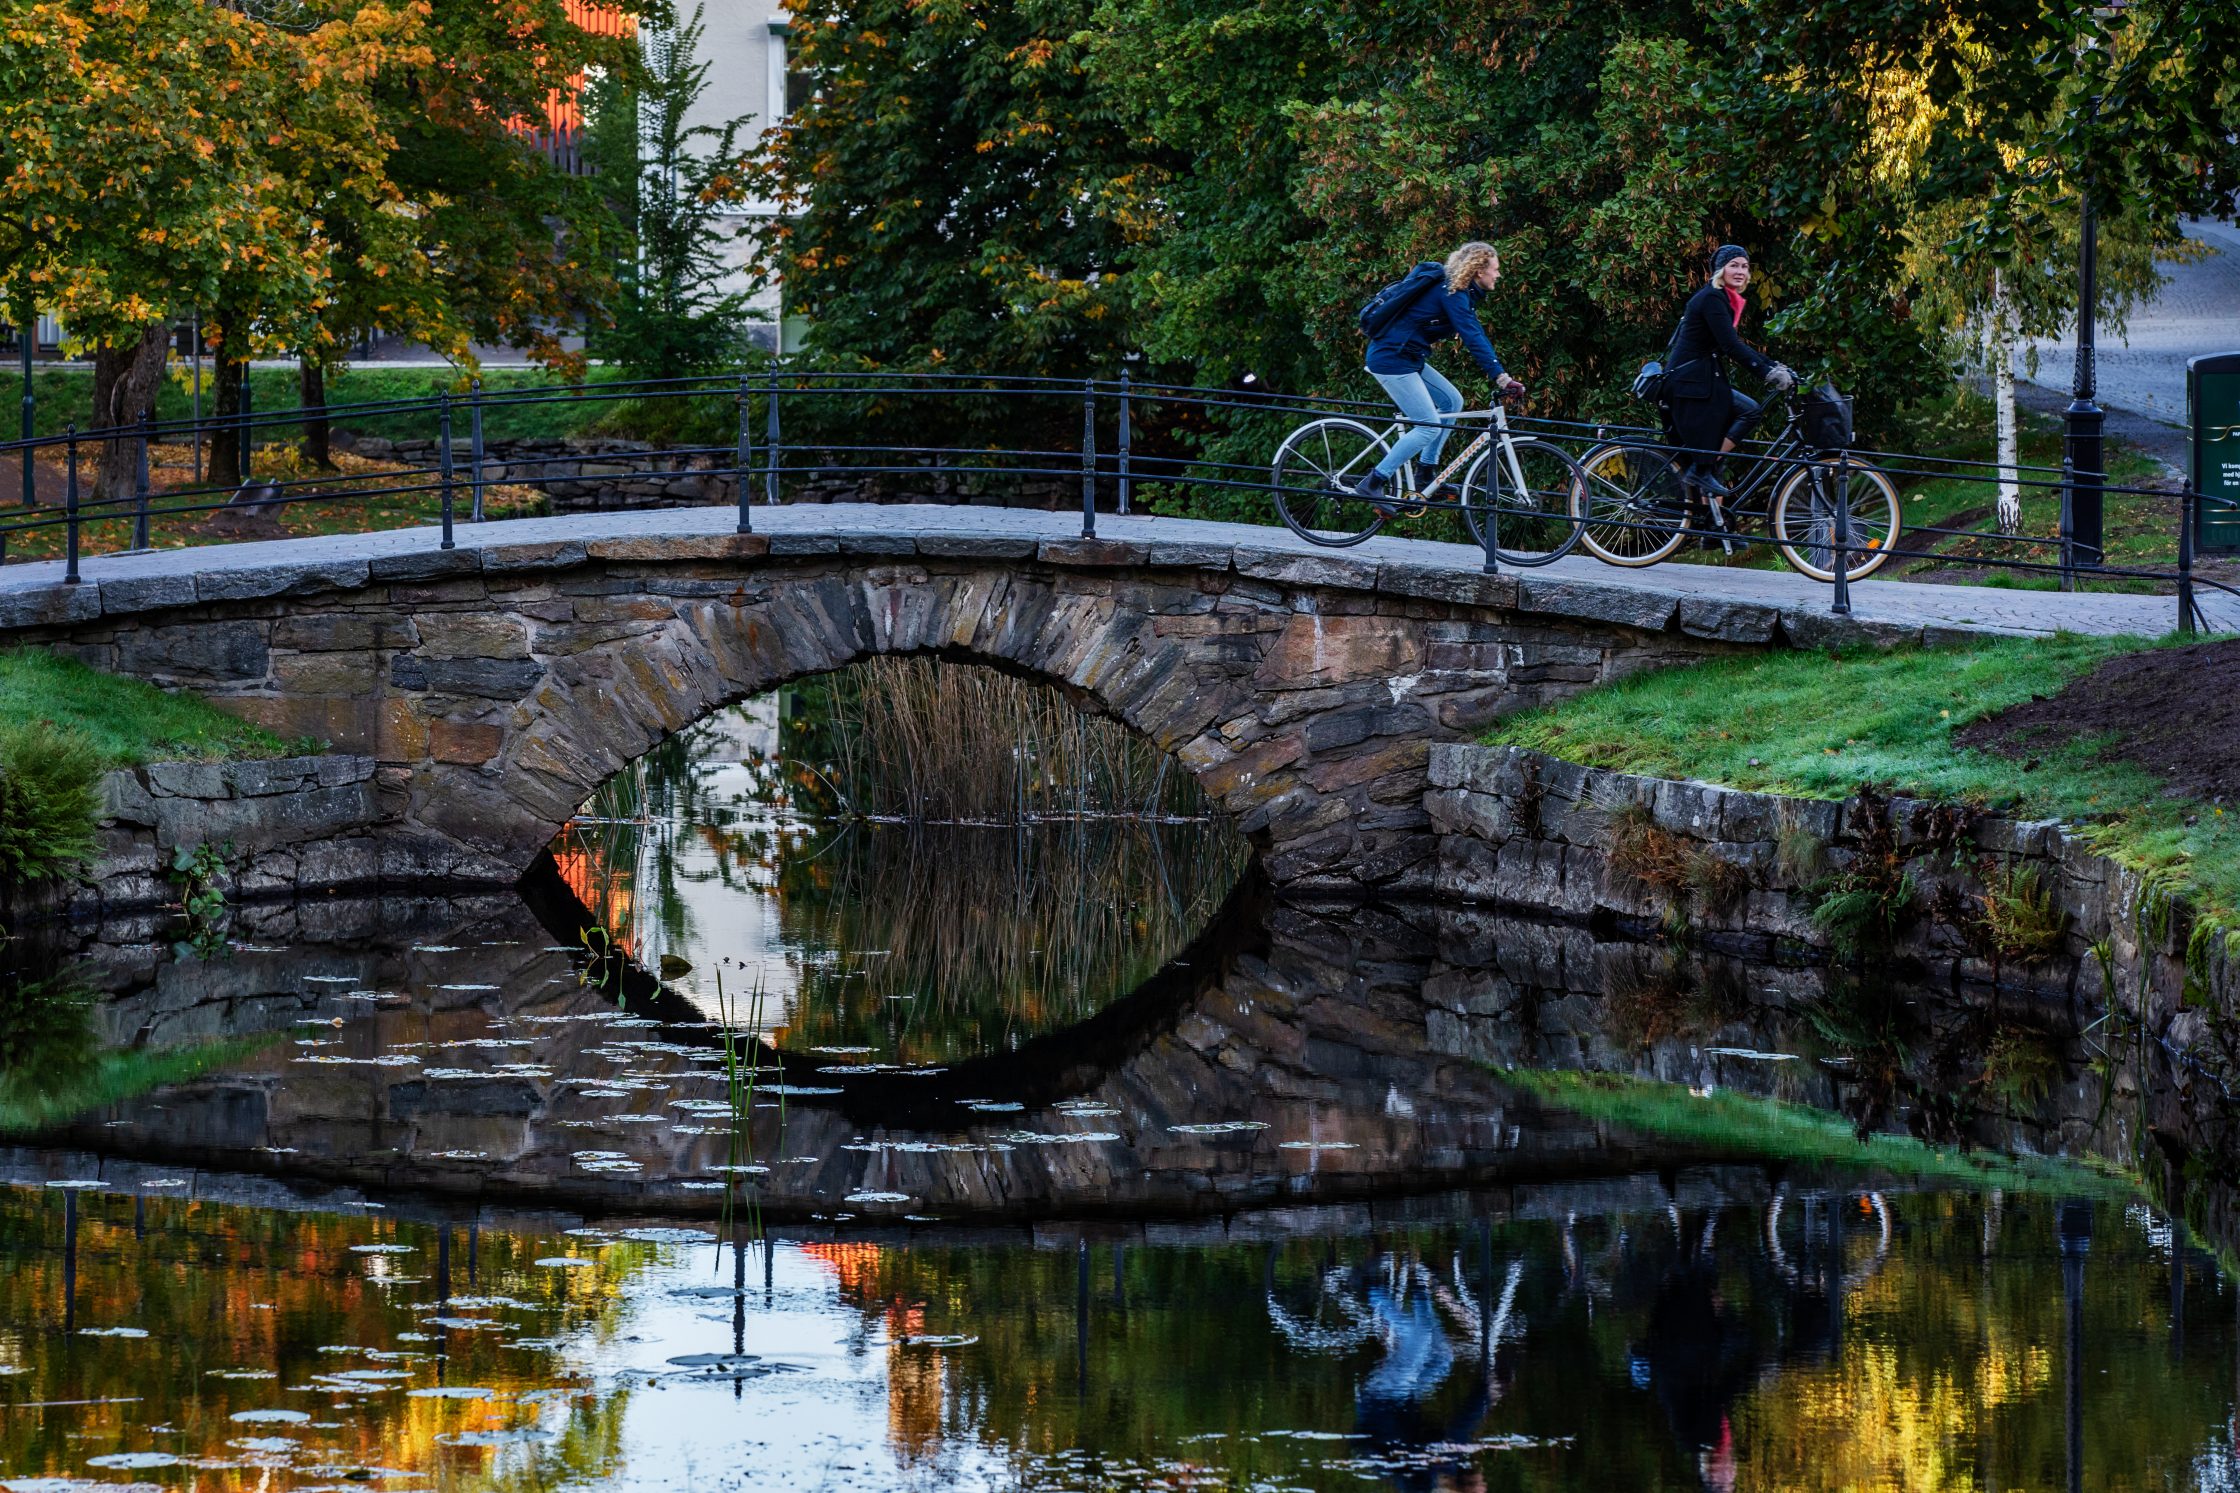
2001	337
125	376
317	434
224	470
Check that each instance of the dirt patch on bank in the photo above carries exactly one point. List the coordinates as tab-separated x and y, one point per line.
2173	711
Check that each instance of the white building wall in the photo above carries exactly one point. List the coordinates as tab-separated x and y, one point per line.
743	43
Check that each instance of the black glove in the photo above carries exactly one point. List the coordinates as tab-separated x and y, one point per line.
1782	379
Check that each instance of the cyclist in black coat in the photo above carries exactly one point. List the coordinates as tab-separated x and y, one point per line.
1706	414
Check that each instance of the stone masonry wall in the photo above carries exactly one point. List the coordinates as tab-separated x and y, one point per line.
1521	829
292	826
497	685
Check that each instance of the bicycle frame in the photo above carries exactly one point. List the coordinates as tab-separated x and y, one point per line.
1784	451
1497	431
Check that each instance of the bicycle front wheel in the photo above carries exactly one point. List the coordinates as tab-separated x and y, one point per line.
1537	523
1804	518
1313	477
1636	509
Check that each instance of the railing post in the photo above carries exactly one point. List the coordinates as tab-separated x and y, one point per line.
1126	439
773	443
140	482
2068	526
744	468
443	462
70	511
2186	511
1088	458
195	440
1490	530
1841	604
474	449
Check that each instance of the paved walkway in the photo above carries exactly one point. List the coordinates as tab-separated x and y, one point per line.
2197	312
1892	604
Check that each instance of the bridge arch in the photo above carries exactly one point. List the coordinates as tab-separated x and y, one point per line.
498	684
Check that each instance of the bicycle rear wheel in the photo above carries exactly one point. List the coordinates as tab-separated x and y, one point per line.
1804	518
1636	509
1313	476
1535	526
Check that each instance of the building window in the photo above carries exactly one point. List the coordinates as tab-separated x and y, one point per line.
787	89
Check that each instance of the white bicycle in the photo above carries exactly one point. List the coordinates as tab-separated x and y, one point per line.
1530	492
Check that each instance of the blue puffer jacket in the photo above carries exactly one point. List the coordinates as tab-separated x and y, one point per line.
1436	314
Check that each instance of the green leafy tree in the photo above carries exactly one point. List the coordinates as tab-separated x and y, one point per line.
671	182
958	192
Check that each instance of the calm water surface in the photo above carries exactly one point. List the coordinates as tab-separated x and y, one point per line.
1069	1162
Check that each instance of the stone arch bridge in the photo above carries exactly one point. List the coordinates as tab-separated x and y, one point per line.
497	684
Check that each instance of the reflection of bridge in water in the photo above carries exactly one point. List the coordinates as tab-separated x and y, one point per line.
1286	1057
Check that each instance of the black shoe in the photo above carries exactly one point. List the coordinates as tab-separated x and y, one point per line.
1372	487
1708	482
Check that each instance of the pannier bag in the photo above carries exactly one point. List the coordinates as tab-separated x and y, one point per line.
1826	418
1379	311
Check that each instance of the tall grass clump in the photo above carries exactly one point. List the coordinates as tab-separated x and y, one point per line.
50	801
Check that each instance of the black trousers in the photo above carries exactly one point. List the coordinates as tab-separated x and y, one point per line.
1746	413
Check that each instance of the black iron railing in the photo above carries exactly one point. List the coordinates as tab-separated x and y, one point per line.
776	429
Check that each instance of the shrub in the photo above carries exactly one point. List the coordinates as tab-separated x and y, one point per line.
2022	919
50	801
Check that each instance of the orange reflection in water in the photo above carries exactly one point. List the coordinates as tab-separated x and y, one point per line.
917	1377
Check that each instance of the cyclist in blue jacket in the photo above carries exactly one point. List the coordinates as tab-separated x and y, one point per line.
1427	400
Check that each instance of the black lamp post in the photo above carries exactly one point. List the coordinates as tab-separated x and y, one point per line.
2083	421
2074	1228
29	335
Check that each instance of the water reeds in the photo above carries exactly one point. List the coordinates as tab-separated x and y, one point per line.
920	739
958	859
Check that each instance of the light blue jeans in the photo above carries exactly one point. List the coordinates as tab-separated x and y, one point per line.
1430	403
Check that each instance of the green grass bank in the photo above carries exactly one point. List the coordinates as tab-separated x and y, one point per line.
1818	725
62	725
1777	1130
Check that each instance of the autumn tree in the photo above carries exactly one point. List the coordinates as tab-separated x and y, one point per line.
148	155
501	244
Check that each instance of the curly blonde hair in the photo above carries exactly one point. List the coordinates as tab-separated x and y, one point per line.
1464	263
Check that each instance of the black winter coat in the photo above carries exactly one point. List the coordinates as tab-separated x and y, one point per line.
1696	390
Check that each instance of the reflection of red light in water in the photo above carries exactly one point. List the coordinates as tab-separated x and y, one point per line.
604	893
915	1377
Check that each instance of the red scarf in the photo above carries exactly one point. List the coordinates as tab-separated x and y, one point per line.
1734	299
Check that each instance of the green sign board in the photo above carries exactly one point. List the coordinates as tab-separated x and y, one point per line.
2213	396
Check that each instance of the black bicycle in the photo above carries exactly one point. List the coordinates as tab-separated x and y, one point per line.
1640	499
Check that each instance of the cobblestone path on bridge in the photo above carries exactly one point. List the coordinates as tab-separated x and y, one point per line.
31	593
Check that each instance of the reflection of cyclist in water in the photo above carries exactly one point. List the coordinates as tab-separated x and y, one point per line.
1698	1356
1699	1353
1423	1402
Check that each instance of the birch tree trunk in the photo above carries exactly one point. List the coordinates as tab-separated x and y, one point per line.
2001	334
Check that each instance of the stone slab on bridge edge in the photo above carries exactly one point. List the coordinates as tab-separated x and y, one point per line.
499	682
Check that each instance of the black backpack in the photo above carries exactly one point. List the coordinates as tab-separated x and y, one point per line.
1381	309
